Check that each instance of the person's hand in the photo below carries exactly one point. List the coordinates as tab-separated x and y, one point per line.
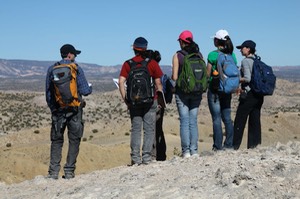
53	111
83	104
238	91
127	103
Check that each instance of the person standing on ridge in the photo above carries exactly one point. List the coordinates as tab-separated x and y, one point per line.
187	103
159	144
219	102
141	105
65	86
249	102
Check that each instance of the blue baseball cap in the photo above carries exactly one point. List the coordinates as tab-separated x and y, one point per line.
140	44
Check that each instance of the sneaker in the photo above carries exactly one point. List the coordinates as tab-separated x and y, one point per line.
195	155
148	162
228	149
134	164
52	176
69	175
186	155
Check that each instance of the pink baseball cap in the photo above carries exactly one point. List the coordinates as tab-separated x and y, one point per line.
185	35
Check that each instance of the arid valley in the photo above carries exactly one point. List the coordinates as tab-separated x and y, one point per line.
25	140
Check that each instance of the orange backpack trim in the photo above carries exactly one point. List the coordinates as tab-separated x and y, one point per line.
73	87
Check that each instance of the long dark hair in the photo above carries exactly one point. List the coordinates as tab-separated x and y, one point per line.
191	47
143	53
226	44
151	54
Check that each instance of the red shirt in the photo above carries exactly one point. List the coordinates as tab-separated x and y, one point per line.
153	68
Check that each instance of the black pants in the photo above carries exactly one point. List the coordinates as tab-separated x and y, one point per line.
248	108
159	144
74	124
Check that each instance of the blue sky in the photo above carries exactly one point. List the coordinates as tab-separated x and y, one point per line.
105	30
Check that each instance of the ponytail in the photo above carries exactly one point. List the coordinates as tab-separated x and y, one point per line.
192	47
227	45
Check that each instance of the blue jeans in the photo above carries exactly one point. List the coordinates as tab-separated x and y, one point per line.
188	106
144	116
220	108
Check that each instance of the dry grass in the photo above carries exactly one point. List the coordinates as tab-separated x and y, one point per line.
25	126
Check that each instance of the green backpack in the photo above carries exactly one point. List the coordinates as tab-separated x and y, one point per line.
193	75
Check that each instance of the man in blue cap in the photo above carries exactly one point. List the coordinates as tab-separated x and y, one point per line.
142	115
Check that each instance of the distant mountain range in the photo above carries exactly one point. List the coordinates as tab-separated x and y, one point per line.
32	68
29	68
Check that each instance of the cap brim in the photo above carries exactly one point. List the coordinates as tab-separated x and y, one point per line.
239	47
139	49
77	52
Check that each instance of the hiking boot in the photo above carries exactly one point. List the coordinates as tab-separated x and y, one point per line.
69	175
52	176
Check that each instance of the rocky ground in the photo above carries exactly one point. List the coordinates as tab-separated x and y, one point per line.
265	172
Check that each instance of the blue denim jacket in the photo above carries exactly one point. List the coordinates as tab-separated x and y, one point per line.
82	85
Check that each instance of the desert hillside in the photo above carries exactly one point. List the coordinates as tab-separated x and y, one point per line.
264	172
25	126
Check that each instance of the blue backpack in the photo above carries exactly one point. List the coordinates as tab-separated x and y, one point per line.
263	80
229	73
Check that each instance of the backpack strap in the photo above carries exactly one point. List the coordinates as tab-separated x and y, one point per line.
255	57
183	52
75	67
217	65
133	63
180	56
145	62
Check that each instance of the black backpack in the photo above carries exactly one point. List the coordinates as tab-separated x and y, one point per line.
140	84
167	88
